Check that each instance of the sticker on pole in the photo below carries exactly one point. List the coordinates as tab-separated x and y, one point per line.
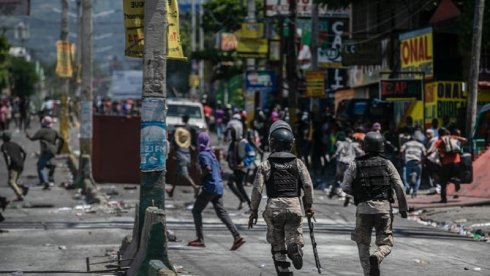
153	145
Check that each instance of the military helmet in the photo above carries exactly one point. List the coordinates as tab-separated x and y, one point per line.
281	136
374	142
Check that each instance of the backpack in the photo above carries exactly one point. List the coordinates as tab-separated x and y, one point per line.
451	145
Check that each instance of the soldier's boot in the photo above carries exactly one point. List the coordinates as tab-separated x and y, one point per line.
282	267
374	266
295	253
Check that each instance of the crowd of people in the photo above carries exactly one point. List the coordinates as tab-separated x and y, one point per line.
327	145
16	112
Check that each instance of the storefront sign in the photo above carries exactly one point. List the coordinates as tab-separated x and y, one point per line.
315	83
252	30
336	79
400	90
330	37
252	48
303	9
274	50
358	52
260	80
14	7
153	135
416	52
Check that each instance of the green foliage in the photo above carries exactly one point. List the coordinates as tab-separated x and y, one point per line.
226	15
23	76
4	53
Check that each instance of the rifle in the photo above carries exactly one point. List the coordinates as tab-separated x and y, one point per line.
313	244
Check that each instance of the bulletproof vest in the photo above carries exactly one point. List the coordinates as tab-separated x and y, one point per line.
372	181
283	180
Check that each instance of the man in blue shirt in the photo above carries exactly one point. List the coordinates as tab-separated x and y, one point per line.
212	191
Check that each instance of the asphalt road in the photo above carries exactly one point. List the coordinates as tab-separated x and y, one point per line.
49	234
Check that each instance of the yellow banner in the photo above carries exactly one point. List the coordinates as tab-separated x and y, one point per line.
416	51
315	83
174	46
257	48
64	67
251	30
134	25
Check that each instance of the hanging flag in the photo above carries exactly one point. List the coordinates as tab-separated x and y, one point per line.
134	25
64	68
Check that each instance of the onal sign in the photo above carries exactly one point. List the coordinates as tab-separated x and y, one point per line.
416	52
400	90
315	83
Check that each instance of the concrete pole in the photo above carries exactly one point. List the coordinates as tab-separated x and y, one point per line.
291	60
314	36
474	68
250	18
84	179
153	125
201	48
65	88
193	40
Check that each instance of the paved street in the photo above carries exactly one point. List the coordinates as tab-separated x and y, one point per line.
50	233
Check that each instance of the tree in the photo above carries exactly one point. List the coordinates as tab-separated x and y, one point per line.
226	15
4	54
23	76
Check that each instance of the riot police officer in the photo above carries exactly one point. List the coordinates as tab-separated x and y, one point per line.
371	179
283	176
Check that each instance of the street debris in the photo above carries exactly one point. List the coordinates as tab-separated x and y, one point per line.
130	187
62	247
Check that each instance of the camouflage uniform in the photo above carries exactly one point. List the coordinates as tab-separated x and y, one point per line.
374	213
283	215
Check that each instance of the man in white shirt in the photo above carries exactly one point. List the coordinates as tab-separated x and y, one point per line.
413	152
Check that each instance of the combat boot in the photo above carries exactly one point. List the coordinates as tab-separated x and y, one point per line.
296	255
374	266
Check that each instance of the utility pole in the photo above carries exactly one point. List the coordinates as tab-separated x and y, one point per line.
201	48
474	69
85	180
193	43
314	36
250	19
65	87
150	222
291	60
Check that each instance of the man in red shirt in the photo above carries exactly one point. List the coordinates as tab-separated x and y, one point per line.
449	159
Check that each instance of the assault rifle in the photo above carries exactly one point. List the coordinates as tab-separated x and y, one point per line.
313	244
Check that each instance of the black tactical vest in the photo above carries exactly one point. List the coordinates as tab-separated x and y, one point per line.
283	180
372	181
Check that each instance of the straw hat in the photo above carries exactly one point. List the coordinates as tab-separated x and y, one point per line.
182	137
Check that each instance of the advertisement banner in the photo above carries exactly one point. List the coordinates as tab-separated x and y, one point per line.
400	90
134	29
416	52
274	50
64	67
174	45
252	48
86	117
15	7
303	9
228	41
252	30
315	83
260	80
153	143
134	26
330	36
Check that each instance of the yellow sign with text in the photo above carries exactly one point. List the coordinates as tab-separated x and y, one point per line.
416	51
315	83
64	68
134	26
